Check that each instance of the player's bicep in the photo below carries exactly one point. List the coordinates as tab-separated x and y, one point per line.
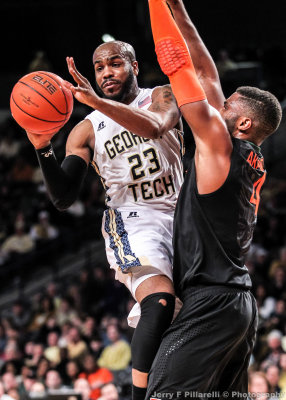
80	141
213	91
165	106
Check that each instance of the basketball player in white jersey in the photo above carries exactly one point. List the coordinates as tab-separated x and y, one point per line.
131	140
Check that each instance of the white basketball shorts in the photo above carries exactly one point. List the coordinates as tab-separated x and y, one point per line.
138	246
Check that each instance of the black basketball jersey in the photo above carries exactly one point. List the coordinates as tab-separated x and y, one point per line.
213	232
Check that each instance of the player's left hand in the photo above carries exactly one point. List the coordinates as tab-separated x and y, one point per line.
83	92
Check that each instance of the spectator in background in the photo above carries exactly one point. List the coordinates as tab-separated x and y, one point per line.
72	371
116	355
9	381
26	379
19	242
38	389
265	303
77	348
53	381
95	375
41	369
12	358
277	319
272	373
53	351
13	394
64	334
28	351
258	386
89	329
45	310
277	285
66	312
282	377
20	315
109	392
274	349
280	262
81	386
37	353
43	230
53	291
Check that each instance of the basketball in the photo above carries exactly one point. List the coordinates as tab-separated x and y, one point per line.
40	103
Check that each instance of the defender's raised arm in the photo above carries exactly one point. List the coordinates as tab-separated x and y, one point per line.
203	62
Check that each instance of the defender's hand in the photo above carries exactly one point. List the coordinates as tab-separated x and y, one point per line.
84	91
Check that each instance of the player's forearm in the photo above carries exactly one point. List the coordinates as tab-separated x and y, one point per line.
203	62
140	122
62	182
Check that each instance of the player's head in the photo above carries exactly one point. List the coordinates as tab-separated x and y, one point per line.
116	71
252	114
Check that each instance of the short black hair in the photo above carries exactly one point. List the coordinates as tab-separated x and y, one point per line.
264	107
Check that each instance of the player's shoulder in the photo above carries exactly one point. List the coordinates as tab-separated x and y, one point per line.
162	91
94	115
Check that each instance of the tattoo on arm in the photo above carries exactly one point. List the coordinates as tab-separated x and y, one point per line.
164	100
167	95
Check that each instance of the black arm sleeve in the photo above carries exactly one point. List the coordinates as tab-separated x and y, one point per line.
63	182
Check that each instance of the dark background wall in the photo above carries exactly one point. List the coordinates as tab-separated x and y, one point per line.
248	29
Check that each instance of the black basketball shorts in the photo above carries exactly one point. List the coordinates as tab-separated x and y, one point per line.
206	351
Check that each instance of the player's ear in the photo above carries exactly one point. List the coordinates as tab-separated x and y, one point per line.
135	67
243	124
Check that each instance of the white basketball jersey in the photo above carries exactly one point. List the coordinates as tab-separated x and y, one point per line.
135	170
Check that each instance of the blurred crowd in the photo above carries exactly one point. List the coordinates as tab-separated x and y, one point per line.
72	335
67	338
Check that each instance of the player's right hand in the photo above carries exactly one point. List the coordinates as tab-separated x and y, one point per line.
83	92
39	141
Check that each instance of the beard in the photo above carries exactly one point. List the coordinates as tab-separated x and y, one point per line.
230	123
123	93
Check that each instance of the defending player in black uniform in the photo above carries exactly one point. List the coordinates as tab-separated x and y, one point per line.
206	350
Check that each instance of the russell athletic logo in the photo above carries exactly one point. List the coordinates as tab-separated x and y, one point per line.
101	126
133	214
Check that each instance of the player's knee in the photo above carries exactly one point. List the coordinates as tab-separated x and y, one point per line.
157	312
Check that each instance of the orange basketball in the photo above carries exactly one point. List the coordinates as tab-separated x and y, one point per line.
40	103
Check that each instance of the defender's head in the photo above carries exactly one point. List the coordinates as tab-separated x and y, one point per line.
252	114
116	71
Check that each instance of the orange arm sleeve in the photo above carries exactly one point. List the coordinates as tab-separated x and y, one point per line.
173	55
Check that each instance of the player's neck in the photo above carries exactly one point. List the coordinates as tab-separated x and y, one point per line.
131	95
